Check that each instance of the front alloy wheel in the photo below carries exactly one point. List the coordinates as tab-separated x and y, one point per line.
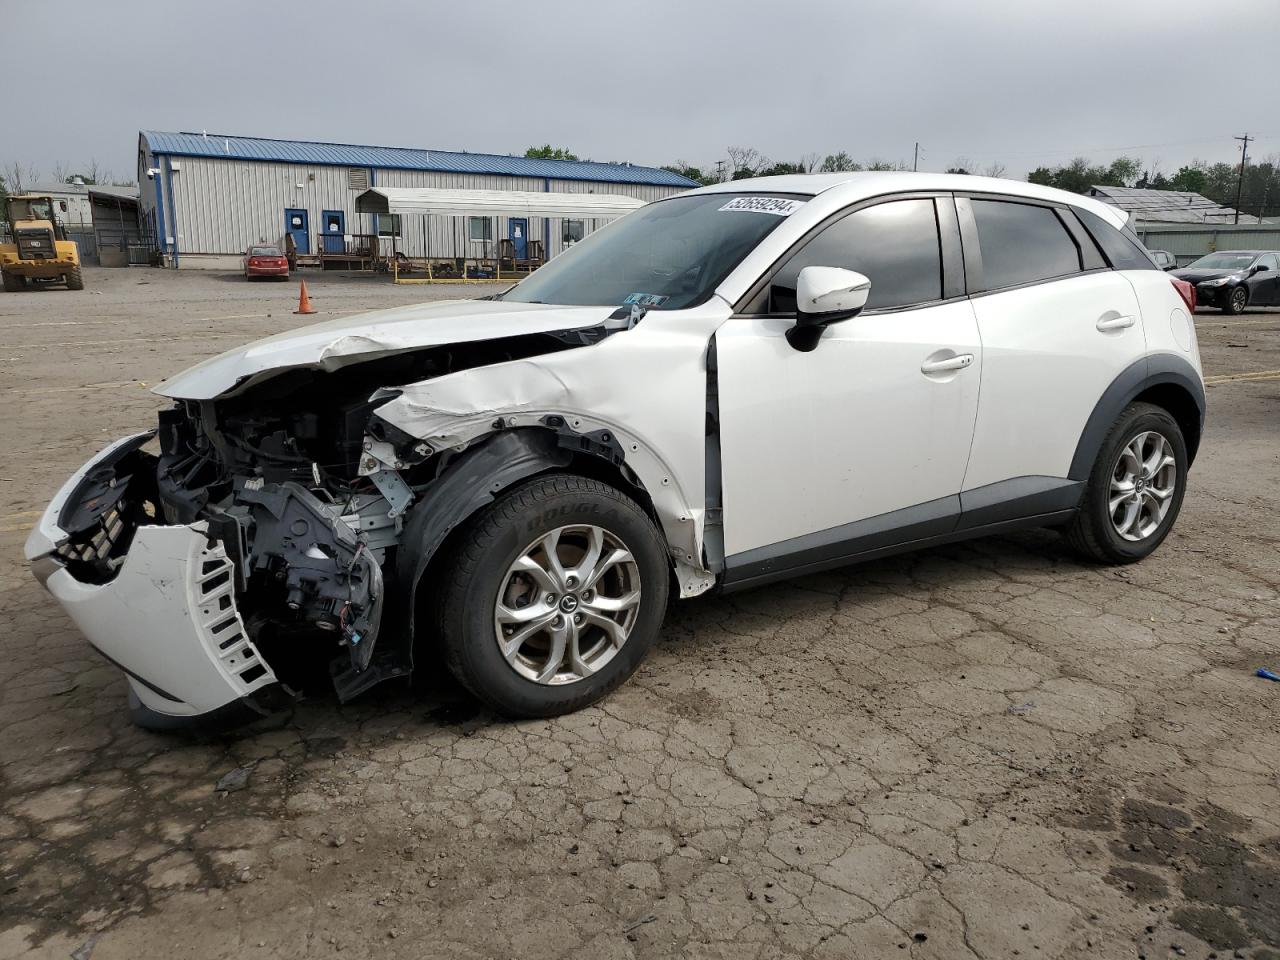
1237	299
567	605
552	596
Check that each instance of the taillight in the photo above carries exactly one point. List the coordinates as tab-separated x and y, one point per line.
1186	291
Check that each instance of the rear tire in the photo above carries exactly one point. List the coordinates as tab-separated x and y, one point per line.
13	282
600	602
75	280
1236	301
1128	508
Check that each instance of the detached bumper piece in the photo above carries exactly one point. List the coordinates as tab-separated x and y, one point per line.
169	621
157	601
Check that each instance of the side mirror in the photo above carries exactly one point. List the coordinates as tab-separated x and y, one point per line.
1260	267
825	295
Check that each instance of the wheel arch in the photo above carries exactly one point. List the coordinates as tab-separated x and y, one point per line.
1164	379
476	478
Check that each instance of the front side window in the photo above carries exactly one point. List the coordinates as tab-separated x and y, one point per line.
1270	262
665	256
1022	243
479	228
895	245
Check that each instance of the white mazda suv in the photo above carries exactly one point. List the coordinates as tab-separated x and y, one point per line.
746	382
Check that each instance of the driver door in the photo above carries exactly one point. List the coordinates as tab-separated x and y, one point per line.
863	442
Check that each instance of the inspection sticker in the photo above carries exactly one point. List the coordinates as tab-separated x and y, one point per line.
778	206
646	299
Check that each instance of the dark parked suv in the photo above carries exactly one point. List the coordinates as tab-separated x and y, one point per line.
1234	279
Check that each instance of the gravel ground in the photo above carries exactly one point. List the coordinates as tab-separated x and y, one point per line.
989	749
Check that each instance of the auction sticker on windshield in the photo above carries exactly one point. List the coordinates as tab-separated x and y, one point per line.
778	206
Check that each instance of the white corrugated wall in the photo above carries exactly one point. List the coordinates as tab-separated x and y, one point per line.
222	206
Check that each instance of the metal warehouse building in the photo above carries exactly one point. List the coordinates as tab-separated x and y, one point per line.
206	198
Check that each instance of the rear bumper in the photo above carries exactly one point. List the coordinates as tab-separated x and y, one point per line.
266	271
167	618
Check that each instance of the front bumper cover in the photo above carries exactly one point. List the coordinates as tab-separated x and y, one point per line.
168	617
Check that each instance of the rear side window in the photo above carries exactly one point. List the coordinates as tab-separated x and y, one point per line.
1022	243
1123	250
895	244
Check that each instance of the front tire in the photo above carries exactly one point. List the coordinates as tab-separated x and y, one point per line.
553	596
1135	490
1236	301
13	282
75	279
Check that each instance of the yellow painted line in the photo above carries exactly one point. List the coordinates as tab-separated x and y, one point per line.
1242	377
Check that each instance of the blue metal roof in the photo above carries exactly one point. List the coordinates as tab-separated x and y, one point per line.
402	158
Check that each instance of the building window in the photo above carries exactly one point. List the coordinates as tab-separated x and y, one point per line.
573	231
388	224
479	228
358	178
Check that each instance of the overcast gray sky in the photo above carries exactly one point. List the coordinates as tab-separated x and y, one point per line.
1022	82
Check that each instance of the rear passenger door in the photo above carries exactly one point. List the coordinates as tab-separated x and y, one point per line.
1057	327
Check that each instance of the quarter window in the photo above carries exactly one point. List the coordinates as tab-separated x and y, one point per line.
1021	243
1124	251
895	245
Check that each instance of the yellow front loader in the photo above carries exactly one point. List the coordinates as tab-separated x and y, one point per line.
40	251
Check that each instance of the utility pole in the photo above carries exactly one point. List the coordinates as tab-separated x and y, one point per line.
915	160
1244	155
719	171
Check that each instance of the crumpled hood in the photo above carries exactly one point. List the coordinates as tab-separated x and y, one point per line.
337	343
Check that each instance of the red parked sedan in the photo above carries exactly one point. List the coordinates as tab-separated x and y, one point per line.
263	260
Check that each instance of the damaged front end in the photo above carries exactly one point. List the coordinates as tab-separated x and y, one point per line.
262	547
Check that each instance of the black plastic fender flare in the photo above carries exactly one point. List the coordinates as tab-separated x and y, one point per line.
476	478
1139	376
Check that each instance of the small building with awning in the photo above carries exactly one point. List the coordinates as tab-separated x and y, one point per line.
436	229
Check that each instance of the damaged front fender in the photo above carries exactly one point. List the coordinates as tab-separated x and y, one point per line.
453	412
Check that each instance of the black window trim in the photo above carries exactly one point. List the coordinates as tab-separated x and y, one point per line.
950	262
974	278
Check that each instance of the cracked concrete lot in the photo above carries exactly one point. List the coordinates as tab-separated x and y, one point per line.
987	750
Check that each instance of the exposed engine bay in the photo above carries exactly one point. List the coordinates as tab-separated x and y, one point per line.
278	473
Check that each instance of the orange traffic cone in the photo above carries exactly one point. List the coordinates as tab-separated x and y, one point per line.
304	302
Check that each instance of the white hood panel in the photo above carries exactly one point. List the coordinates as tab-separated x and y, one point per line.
336	343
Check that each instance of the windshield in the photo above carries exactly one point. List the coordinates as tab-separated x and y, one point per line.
1222	261
666	256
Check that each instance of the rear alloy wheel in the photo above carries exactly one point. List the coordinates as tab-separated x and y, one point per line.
1236	301
1136	488
555	594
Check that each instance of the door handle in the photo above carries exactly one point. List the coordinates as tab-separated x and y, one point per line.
1116	323
951	363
